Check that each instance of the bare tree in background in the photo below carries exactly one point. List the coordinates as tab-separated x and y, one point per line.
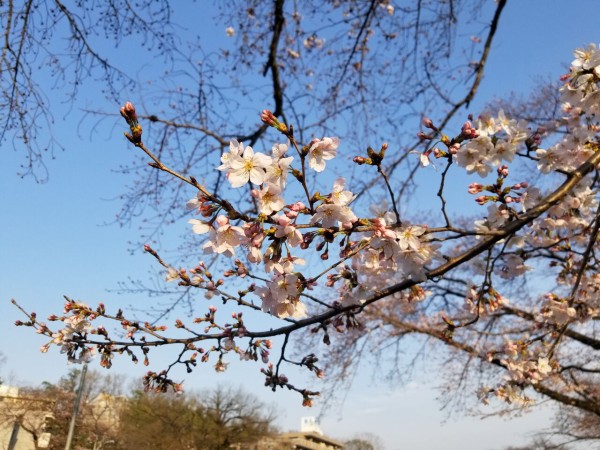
213	420
56	45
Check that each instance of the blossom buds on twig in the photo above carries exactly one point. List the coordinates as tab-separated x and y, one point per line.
130	116
428	123
269	119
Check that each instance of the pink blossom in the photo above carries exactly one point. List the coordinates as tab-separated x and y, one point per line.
322	150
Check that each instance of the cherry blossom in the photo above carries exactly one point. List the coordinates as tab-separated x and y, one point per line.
269	198
249	166
332	215
322	150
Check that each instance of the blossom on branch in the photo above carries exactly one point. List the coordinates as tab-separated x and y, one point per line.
322	150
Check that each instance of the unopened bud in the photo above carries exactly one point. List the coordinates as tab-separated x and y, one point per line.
360	160
481	200
423	137
128	112
428	123
269	119
475	188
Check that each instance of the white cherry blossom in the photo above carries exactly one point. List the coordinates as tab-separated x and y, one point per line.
249	167
322	150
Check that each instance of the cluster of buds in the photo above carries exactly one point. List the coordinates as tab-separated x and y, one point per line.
506	195
452	144
309	362
468	131
374	158
240	270
160	383
268	118
273	380
307	397
130	116
534	141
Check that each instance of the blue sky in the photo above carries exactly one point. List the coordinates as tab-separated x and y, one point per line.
56	239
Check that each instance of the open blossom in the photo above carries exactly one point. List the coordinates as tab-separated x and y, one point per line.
587	59
497	215
473	155
279	264
228	344
543	366
285	229
269	198
221	366
424	156
249	166
513	267
171	275
558	311
331	215
504	150
381	210
284	285
408	237
381	230
548	160
280	297
224	238
338	195
236	149
199	227
322	150
277	171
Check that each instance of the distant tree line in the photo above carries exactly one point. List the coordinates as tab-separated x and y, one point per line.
111	417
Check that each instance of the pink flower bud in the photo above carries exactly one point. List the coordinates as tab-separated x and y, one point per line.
454	148
503	170
268	118
475	188
291	214
468	132
298	206
222	220
128	112
423	137
428	123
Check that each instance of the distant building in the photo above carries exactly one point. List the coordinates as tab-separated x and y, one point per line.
310	437
310	425
309	440
22	420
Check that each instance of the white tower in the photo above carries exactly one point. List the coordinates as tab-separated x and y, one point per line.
310	425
